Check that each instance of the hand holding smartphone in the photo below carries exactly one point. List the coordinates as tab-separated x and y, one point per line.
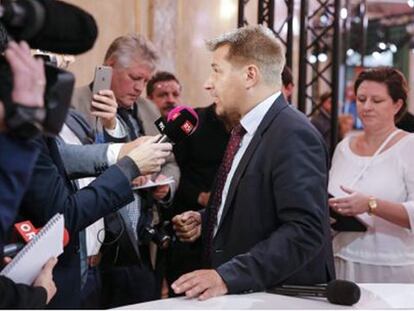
104	105
102	79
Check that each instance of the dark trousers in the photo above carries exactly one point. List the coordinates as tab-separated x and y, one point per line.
91	291
182	258
124	285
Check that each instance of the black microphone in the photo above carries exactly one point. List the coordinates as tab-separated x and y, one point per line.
10	250
182	122
338	292
49	25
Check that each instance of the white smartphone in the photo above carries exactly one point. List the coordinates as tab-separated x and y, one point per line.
103	78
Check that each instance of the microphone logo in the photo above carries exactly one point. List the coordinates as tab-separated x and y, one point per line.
187	127
26	230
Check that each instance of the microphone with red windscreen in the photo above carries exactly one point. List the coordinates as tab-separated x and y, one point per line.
182	122
25	231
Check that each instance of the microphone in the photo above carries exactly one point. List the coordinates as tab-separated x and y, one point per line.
182	122
26	231
49	25
337	292
11	250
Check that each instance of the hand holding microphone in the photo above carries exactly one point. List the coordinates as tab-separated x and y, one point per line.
150	155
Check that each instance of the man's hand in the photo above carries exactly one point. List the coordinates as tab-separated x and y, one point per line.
203	198
150	156
128	147
140	180
202	284
45	279
104	106
160	192
187	226
28	75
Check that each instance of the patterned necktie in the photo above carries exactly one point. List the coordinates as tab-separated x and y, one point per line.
232	147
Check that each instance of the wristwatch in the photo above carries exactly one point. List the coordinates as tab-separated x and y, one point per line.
372	205
22	121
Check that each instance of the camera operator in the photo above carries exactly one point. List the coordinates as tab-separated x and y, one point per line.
17	158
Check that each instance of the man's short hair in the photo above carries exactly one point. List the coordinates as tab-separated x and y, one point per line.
287	77
132	47
160	76
255	44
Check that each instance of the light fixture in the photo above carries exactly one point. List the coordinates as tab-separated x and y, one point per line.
410	3
312	59
350	52
382	45
322	57
344	13
324	19
393	48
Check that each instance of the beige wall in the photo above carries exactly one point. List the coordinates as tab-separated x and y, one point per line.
177	27
114	18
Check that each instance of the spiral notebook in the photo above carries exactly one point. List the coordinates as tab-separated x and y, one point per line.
28	263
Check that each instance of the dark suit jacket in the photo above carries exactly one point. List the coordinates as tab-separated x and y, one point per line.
50	192
17	159
274	228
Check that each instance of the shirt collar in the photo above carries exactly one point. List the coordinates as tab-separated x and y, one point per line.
254	117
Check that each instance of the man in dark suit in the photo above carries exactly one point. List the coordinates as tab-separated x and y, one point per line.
267	219
17	158
50	192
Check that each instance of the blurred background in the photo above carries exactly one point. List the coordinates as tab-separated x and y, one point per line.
327	41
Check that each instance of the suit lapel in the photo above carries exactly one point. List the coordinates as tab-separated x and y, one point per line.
273	112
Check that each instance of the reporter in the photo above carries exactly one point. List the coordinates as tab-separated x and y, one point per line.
51	191
17	158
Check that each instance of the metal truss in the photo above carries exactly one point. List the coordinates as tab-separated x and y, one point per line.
266	11
320	57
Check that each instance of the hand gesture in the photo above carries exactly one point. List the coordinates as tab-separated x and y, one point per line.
354	204
187	226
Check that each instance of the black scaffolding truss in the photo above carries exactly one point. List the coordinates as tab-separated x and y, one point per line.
265	16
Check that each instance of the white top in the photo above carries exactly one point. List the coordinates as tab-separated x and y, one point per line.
390	177
250	123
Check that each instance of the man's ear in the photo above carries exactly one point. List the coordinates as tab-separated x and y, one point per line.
252	75
110	62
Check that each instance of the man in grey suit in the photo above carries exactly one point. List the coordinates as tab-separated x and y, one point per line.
267	219
128	275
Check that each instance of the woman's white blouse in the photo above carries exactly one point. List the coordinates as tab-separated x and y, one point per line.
390	177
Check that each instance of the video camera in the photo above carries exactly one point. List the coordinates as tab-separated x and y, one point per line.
49	25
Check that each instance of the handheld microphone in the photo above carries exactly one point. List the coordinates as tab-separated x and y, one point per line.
49	25
337	292
11	250
26	231
182	122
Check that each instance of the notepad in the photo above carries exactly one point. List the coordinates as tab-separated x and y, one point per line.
28	263
150	183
